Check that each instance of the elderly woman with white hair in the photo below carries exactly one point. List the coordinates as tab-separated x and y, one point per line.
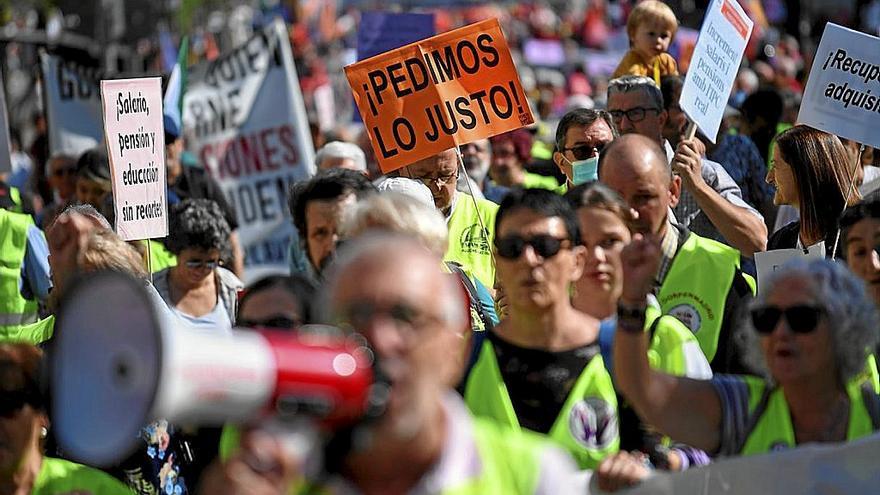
808	336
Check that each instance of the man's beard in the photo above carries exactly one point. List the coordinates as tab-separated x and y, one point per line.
475	169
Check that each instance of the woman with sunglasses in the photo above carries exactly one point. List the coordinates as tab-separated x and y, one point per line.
807	337
24	424
198	289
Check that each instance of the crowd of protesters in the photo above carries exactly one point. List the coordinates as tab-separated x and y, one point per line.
557	309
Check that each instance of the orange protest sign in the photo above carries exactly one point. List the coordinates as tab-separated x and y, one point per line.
439	93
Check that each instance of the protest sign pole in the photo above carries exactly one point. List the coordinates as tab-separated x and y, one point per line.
463	172
150	259
691	130
850	190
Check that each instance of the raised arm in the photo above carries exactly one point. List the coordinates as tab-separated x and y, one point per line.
687	410
743	228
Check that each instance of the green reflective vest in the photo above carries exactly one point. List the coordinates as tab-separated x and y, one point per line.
15	310
666	351
509	462
58	477
15	196
587	423
160	257
696	286
773	430
538	181
33	333
469	246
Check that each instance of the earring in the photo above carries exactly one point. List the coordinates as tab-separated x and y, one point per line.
44	432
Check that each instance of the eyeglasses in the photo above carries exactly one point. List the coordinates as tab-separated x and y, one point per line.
280	322
12	402
635	114
209	264
802	318
360	314
440	180
545	246
585	151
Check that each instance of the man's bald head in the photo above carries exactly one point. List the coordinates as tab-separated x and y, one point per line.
636	167
636	154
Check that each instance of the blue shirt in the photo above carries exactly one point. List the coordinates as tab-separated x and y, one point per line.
35	281
741	159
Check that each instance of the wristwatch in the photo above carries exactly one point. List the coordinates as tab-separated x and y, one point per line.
631	318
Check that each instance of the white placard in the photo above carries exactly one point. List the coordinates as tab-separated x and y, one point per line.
814	469
714	65
73	105
767	262
244	120
135	139
843	92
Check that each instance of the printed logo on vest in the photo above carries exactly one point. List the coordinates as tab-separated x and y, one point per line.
688	315
593	423
472	241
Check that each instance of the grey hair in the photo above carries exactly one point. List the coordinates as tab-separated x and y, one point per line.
86	210
381	244
402	214
851	315
625	84
340	149
583	117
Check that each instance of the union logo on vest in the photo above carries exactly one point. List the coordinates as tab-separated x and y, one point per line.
593	423
688	314
473	241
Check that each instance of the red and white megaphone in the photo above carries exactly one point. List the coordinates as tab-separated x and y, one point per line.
119	361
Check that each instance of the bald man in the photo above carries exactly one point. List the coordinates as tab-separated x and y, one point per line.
699	280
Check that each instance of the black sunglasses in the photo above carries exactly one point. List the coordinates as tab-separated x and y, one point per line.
802	318
196	264
545	246
585	151
278	322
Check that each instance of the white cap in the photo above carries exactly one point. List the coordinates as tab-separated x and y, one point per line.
410	187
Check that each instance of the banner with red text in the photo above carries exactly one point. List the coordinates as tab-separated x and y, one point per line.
245	121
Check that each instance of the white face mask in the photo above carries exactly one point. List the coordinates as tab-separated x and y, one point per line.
583	171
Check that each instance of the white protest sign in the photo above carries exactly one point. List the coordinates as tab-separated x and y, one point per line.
767	262
245	121
815	469
73	105
838	98
136	147
714	65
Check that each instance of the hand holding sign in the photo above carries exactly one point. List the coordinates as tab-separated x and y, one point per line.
439	93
